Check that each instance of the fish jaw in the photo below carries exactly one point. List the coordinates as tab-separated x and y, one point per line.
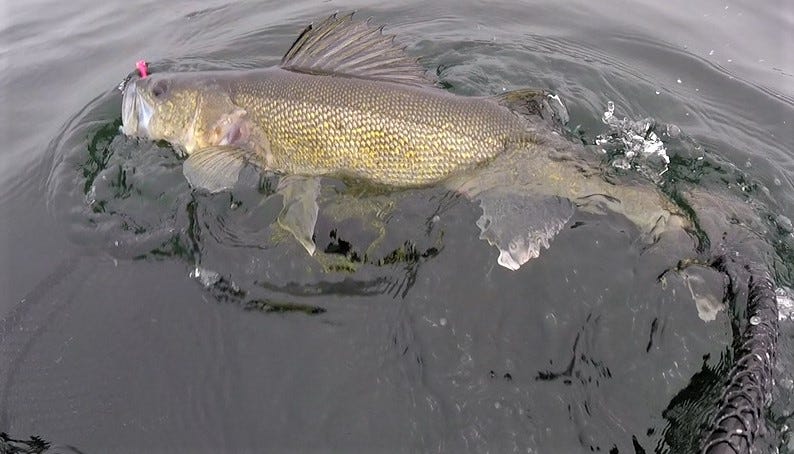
136	112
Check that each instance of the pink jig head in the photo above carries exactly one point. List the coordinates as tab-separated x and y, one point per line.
143	71
142	68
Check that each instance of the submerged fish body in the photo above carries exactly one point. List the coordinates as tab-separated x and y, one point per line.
347	102
528	195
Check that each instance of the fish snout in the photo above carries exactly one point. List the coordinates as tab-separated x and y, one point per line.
136	112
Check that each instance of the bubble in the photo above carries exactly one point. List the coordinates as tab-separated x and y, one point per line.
673	131
610	112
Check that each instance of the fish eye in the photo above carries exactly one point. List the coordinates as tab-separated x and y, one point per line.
159	88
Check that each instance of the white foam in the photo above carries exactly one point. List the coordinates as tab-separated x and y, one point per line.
635	140
785	303
206	277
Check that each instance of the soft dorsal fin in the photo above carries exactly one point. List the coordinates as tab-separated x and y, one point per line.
341	46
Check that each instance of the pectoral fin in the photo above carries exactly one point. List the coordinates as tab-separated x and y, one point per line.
299	214
215	168
519	224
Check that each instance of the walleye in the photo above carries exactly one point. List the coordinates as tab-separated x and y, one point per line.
347	102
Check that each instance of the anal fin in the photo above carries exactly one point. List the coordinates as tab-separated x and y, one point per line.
520	224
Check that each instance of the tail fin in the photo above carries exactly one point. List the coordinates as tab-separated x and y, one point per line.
534	103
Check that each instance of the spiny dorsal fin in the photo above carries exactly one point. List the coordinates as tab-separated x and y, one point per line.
338	45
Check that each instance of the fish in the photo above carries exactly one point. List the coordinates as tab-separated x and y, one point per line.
347	101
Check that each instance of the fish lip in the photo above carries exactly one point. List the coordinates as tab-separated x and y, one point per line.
129	124
136	112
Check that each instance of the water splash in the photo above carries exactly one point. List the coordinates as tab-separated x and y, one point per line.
206	277
636	144
785	303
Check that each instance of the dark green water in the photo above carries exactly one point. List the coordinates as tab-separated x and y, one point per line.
109	342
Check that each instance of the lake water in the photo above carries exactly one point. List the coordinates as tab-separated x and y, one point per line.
139	316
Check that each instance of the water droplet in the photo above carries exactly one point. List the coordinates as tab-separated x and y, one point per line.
755	320
678	80
442	322
711	52
206	277
658	92
784	223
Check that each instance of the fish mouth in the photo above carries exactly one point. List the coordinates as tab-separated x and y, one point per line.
136	112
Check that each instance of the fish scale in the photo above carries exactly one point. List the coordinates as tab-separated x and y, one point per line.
388	133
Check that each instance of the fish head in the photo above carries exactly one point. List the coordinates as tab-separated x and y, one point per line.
187	111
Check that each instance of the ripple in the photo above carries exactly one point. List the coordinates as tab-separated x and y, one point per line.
128	199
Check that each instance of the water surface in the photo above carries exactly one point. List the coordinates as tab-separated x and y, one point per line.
407	336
